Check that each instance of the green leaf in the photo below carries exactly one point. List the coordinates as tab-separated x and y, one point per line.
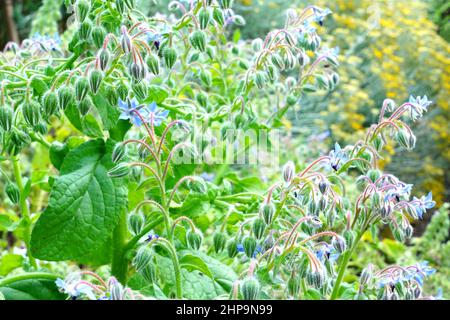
191	262
86	124
156	94
31	287
9	262
84	205
39	86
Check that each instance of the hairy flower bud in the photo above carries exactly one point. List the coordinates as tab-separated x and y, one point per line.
249	244
366	275
277	61
219	240
125	40
95	80
140	90
104	57
206	78
13	192
85	105
148	272
143	257
137	71
218	16
41	128
250	288
198	40
82	8
194	239
81	88
136	222
120	170
232	249
293	285
6	118
98	35
315	278
267	211
226	4
339	244
204	17
85	30
349	237
66	97
152	61
31	113
170	57
258	228
288	171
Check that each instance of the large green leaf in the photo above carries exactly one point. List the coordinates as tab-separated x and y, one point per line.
34	287
84	206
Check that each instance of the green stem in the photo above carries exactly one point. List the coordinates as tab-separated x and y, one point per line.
26	276
343	267
24	209
119	267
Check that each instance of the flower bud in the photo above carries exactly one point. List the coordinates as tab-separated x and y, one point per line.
50	103
153	63
194	239
409	231
143	257
81	88
130	4
111	95
85	105
41	128
82	8
202	99
258	228
267	211
349	237
218	16
136	222
315	279
137	71
339	244
206	78
366	275
226	4
98	35
31	112
122	92
288	171
6	118
170	57
198	40
250	288
277	61
249	244
125	40
95	80
104	57
303	59
65	97
293	285
398	234
323	186
378	143
219	240
260	79
140	90
204	17
13	192
148	272
120	170
116	290
120	6
85	30
373	175
232	248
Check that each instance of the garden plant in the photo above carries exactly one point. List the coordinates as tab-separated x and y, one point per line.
132	164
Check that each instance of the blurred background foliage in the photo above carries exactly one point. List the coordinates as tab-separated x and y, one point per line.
388	48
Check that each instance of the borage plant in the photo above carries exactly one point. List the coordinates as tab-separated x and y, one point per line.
130	96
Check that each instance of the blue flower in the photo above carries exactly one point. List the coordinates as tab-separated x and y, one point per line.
401	190
72	286
47	42
320	14
421	205
327	252
159	115
240	248
421	105
151	236
337	157
129	109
